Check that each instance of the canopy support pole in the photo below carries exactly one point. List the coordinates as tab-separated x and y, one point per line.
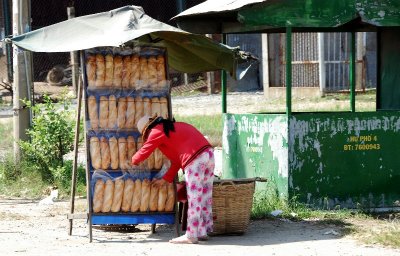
76	145
353	72
223	82
288	70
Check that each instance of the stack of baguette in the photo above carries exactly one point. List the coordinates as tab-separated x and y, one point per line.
126	71
110	112
132	195
116	153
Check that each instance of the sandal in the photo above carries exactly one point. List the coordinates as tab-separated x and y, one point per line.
184	240
202	238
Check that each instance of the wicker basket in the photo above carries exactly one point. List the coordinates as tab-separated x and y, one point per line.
232	203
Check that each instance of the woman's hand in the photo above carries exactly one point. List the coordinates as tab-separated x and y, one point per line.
158	183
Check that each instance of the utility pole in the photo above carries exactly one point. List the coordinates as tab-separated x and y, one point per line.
22	75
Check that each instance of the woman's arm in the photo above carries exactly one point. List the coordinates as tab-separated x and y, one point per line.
156	137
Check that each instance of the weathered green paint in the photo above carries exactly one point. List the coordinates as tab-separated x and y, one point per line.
321	13
324	159
256	146
346	159
223	82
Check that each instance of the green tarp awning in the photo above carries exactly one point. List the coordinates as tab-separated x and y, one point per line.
322	13
233	16
187	52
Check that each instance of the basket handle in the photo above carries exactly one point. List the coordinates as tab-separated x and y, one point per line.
228	182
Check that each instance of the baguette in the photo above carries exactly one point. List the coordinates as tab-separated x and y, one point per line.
91	70
144	201
127	196
108	79
98	195
162	198
92	111
135	71
131	146
170	203
122	153
105	153
161	74
114	153
103	112
153	202
130	113
152	69
117	78
144	73
112	112
122	106
108	196
139	112
95	155
119	184
137	196
126	71
100	70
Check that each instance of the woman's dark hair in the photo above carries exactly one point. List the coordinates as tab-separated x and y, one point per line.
168	125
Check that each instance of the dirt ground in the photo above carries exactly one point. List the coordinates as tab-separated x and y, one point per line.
28	228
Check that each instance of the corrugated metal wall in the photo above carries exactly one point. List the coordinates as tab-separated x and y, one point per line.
305	60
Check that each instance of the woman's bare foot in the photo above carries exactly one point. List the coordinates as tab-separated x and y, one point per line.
184	240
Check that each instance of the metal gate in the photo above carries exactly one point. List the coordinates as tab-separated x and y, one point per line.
305	61
336	59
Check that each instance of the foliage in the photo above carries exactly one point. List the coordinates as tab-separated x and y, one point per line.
51	136
19	180
62	175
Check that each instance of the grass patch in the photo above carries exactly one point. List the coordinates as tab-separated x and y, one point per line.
210	126
266	202
388	237
6	133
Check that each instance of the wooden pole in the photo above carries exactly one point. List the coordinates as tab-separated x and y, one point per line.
223	83
264	77
288	71
74	58
321	59
88	191
76	144
22	77
353	72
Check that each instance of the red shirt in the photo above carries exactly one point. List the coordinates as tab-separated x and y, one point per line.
181	147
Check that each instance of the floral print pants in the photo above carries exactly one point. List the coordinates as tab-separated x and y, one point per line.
199	175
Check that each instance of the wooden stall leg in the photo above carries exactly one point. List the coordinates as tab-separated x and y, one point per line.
153	228
75	164
177	215
184	216
90	227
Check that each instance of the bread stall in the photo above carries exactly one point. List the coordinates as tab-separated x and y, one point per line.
125	56
121	85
